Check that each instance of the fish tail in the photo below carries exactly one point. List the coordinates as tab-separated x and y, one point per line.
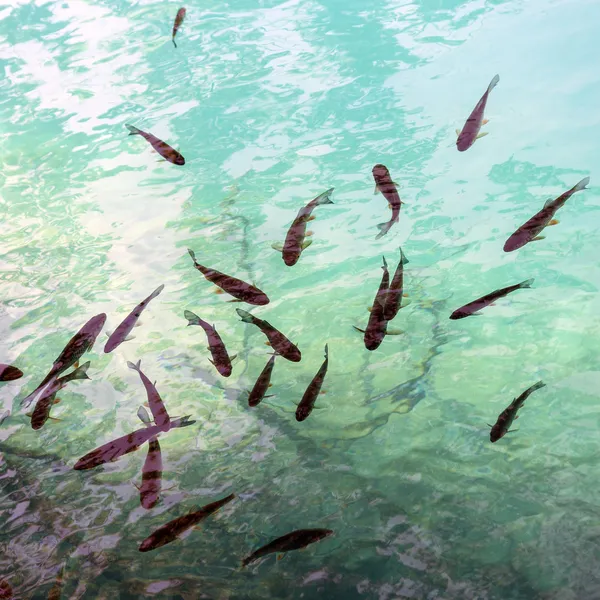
384	263
81	372
493	83
383	228
174	44
581	185
326	351
324	198
244	315
193	319
537	386
526	284
136	366
156	292
192	254
403	259
133	130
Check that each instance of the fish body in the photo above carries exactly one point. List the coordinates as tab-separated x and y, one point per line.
312	391
470	130
472	307
507	416
262	383
173	529
236	287
178	21
532	228
151	475
6	592
377	325
124	329
393	298
278	341
385	185
157	407
294	240
166	151
294	540
9	373
221	359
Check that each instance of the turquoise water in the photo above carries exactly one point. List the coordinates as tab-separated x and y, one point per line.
272	105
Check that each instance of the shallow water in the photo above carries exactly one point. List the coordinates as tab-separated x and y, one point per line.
272	105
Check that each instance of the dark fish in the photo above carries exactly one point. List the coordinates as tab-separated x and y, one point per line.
236	287
173	529
120	334
530	231
221	359
470	131
9	373
262	384
312	391
278	341
472	307
507	416
124	445
377	325
178	21
385	185
291	541
161	147
79	344
6	592
151	475
393	298
157	407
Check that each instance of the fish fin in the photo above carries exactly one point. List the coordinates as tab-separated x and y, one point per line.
174	44
405	295
219	291
192	254
270	385
56	401
482	134
493	83
136	366
405	303
235	300
306	244
55	419
396	184
311	218
324	198
403	259
133	130
581	185
76	365
512	430
280	556
358	329
538	238
526	284
309	233
490	426
517	417
232	358
138	324
193	319
147	404
370	308
268	344
269	396
156	292
244	315
383	228
376	190
136	486
211	362
129	338
277	246
457	132
553	222
485	121
29	414
394	332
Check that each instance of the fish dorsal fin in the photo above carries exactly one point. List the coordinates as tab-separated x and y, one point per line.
548	202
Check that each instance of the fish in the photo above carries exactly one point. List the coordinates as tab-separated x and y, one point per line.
55	592
41	412
312	391
290	541
173	529
221	360
119	335
295	240
472	308
124	445
152	469
529	231
157	407
236	287
78	345
277	340
393	297
470	131
6	592
385	185
167	152
507	416
262	384
9	373
178	21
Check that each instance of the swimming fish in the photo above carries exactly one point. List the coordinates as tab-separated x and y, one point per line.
152	469
290	541
277	340
173	529
393	297
221	359
295	238
385	185
472	307
262	384
470	131
530	231
157	407
78	345
168	153
312	391
124	445
507	416
9	373
236	287
120	334
178	21
6	592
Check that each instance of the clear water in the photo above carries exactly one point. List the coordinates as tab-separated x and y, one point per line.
271	105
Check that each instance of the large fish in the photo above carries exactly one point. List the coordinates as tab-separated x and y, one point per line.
290	541
530	231
152	469
385	185
173	529
393	298
78	345
157	406
257	394
472	308
168	153
277	340
312	391
120	334
236	287
178	21
470	131
9	373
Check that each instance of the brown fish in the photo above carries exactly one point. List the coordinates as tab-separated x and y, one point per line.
262	384
385	185
393	298
178	21
155	402
312	391
470	131
6	592
151	475
168	153
9	373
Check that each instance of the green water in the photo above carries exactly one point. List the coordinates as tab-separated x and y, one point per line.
272	105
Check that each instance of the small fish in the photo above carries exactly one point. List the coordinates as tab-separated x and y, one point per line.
178	21
9	373
6	592
168	153
152	469
277	340
291	541
312	391
236	287
393	298
221	360
385	185
157	407
124	329
472	308
173	529
530	231
377	325
470	131
507	416
262	384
